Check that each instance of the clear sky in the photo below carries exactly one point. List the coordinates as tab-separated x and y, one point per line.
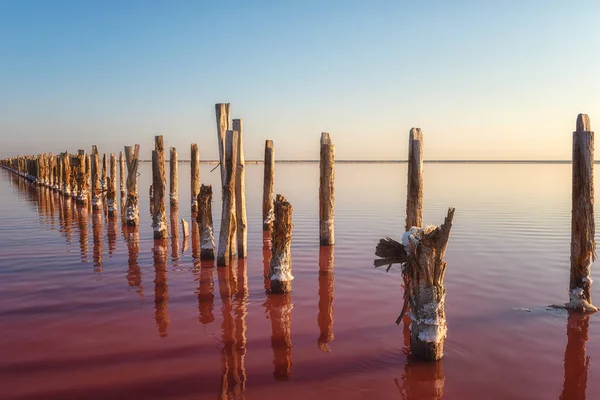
483	79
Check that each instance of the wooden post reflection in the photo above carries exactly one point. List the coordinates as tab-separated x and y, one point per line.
134	273
97	239
206	288
576	362
326	281
112	231
174	222
195	238
279	306
233	380
161	290
67	217
422	380
267	259
241	300
83	231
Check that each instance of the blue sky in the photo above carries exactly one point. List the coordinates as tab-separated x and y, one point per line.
483	79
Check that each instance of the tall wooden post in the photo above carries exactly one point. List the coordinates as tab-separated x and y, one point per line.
414	192
227	233
326	192
205	223
280	272
195	174
111	190
240	193
268	186
96	190
82	186
583	243
66	175
222	111
103	175
132	216
122	174
173	184
159	218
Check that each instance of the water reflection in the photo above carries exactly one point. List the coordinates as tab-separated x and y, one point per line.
326	281
576	361
174	221
205	292
279	310
82	221
134	273
195	238
97	239
112	230
421	380
266	259
66	216
161	290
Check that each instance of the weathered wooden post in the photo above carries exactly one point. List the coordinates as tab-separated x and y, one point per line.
414	192
326	191
280	273
82	185
122	174
268	186
111	190
96	190
132	216
173	184
421	255
195	174
58	178
240	193
66	161
222	111
583	243
103	175
159	218
205	223
227	234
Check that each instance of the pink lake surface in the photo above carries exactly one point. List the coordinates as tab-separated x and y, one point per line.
93	310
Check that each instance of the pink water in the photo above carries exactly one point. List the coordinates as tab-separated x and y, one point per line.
90	310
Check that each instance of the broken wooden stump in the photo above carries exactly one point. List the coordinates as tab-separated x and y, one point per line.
280	271
583	243
421	256
227	234
268	186
414	192
159	183
326	191
205	223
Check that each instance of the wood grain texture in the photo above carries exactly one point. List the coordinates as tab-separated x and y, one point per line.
240	193
173	178
268	186
132	214
195	176
280	273
414	191
327	191
227	234
159	183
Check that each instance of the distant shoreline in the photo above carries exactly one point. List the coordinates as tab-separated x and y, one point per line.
397	161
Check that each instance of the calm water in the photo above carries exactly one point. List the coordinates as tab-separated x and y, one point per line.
89	310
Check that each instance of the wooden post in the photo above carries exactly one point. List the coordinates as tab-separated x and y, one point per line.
103	176
421	255
240	194
326	192
583	243
227	234
268	186
205	223
122	174
159	218
132	216
88	166
111	190
222	111
82	186
173	184
414	192
195	167
66	175
280	272
59	173
96	190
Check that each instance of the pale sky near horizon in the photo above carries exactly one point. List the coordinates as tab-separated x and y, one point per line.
483	79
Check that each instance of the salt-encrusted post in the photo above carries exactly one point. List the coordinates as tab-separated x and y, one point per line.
240	194
173	192
122	174
280	272
583	243
268	186
82	184
66	175
111	189
159	218
96	190
421	255
103	175
227	233
222	111
326	191
132	216
414	192
205	223
195	174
